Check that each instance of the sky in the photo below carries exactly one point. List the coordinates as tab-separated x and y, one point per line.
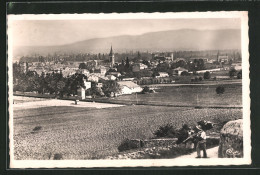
60	32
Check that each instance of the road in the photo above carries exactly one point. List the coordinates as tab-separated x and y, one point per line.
212	153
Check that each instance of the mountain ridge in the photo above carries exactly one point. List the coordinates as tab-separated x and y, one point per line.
183	39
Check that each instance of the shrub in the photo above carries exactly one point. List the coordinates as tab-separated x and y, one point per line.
146	89
200	78
206	75
127	145
37	128
239	74
184	73
57	157
220	89
165	131
183	133
232	73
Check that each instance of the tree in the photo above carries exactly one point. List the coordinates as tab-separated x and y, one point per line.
146	63
146	89
43	84
32	80
180	63
23	86
155	73
239	74
121	67
206	75
127	65
74	82
162	67
220	89
123	63
143	73
82	66
232	73
184	73
94	90
110	86
60	87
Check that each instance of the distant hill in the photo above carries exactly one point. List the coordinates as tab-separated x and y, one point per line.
185	39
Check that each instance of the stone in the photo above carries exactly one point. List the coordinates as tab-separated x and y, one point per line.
231	140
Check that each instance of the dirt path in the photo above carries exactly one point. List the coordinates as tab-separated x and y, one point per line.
55	102
212	153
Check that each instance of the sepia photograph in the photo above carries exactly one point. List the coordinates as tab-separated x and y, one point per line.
128	90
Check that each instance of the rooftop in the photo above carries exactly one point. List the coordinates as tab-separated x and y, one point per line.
129	84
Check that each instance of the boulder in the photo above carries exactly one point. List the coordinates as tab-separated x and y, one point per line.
231	140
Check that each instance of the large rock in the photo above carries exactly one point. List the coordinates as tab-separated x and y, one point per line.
231	140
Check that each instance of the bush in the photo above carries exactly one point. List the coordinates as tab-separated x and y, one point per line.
183	133
239	74
220	89
166	131
37	128
206	75
232	73
184	73
57	157
146	89
127	145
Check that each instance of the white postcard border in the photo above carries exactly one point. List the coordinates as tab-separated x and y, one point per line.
243	15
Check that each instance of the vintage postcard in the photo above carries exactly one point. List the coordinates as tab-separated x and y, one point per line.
129	90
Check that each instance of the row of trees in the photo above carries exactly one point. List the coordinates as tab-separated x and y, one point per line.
55	83
207	74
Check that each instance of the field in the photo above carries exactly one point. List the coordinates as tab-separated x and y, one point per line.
90	133
44	128
195	95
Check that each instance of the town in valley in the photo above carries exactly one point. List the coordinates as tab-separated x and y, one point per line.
113	92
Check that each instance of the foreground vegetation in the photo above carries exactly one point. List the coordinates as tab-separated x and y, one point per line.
85	133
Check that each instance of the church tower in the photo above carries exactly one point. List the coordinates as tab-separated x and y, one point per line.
111	57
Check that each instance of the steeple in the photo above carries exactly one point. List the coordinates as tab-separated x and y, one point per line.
111	57
111	52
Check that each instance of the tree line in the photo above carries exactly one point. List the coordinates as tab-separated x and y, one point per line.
55	83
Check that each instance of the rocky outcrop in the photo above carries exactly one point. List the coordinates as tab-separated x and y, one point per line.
231	140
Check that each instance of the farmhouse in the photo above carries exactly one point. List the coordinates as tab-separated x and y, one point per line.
116	74
81	90
237	66
111	77
83	71
129	87
93	77
162	74
139	66
179	70
223	59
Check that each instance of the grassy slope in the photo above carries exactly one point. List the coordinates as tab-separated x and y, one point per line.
84	133
191	95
